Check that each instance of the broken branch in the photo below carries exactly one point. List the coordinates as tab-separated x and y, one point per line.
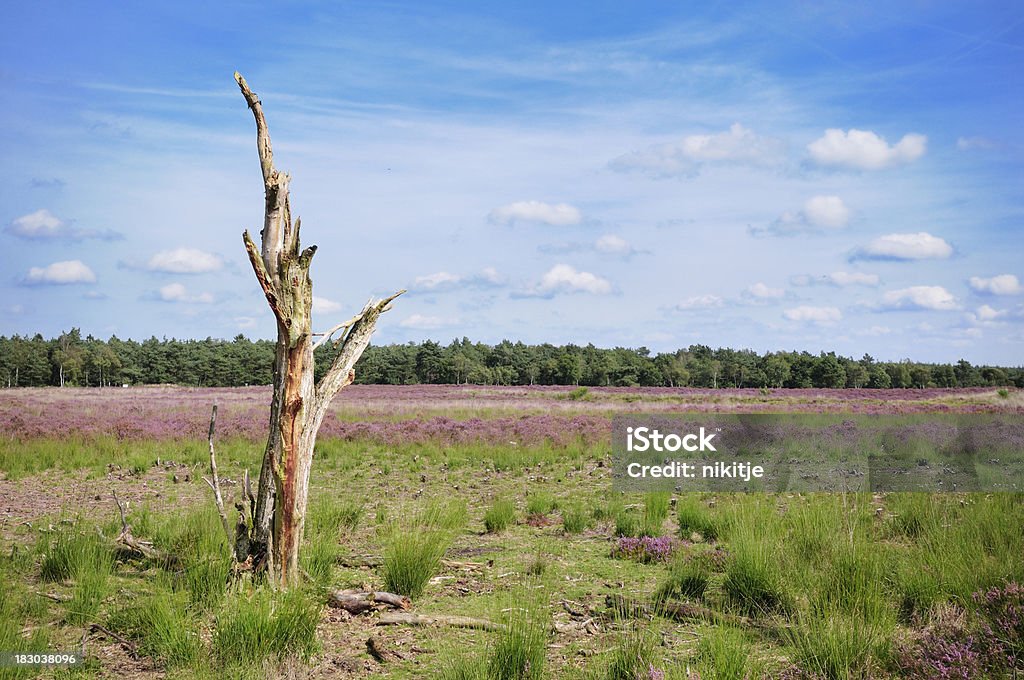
215	483
410	619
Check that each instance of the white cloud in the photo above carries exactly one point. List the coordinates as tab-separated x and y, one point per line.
613	245
176	292
864	150
563	278
426	323
919	246
184	261
325	306
828	212
488	277
436	280
1004	284
820	213
738	146
843	279
919	297
559	214
972	143
987	313
699	302
60	273
809	314
40	224
875	331
43	224
762	292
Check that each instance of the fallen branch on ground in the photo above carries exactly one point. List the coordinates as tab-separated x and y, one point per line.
357	602
128	644
686	612
410	619
134	546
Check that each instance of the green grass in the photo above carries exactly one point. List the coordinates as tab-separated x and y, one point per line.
540	503
413	550
632	657
693	516
754	580
518	651
163	626
265	625
688	577
725	654
575	519
500	515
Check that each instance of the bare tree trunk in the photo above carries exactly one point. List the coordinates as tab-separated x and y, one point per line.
298	405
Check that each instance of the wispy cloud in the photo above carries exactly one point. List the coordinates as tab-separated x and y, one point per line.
685	158
820	213
814	315
557	214
177	292
184	261
838	279
44	225
423	322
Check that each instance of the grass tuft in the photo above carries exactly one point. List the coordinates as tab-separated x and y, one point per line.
499	516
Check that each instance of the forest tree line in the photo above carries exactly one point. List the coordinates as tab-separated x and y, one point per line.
71	359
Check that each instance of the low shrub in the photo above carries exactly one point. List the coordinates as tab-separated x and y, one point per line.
645	549
499	516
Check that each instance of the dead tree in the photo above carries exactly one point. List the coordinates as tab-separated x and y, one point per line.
299	404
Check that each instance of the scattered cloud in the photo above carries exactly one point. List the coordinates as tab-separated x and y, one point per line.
810	314
610	244
761	291
736	146
325	306
919	297
559	214
875	331
1004	284
563	278
987	314
918	246
44	225
427	323
975	143
865	150
441	281
176	292
184	261
60	273
837	279
820	213
699	302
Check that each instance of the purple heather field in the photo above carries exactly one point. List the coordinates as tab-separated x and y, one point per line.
437	413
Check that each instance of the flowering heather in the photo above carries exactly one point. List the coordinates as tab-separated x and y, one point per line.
1002	623
442	414
943	653
646	549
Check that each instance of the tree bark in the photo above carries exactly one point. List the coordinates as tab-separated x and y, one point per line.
298	405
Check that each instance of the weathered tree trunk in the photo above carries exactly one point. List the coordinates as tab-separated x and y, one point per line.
298	405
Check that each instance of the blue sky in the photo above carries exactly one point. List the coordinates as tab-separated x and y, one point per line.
809	176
